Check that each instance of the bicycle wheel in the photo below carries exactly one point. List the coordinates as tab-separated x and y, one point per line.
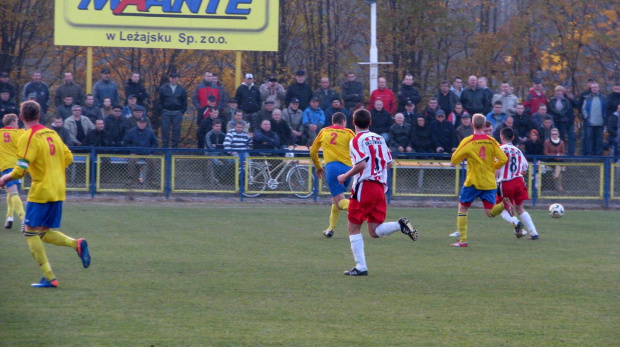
256	178
297	179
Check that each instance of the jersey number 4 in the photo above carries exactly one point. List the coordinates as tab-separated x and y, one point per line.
50	142
482	153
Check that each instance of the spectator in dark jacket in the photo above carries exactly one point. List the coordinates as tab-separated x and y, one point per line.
400	135
561	109
134	87
352	91
248	97
40	90
105	88
64	133
443	134
446	99
69	88
613	125
6	85
90	110
381	121
138	113
325	94
407	92
98	137
336	106
6	104
265	138
421	136
465	129
475	99
281	128
205	126
215	138
410	113
613	99
523	123
173	103
117	127
431	110
140	136
300	90
64	110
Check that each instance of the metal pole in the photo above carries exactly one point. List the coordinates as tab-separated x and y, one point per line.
374	55
238	79
89	70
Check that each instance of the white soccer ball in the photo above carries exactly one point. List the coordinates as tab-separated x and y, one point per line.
556	210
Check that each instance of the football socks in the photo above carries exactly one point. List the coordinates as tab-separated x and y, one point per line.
38	252
529	224
343	204
9	206
512	220
497	209
18	206
59	239
461	223
333	217
357	247
388	228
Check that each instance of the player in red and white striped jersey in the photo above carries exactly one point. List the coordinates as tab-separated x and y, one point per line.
371	160
512	185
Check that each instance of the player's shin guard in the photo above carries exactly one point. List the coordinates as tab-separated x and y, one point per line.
59	239
343	204
529	224
497	209
333	217
18	206
512	220
38	252
461	223
357	247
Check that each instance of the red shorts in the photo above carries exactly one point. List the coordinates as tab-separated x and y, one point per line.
368	204
515	190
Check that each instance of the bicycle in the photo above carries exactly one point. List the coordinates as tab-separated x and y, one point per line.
262	174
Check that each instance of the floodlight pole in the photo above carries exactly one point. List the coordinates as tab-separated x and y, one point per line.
374	55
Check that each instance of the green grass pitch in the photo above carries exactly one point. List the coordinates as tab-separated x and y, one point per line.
263	275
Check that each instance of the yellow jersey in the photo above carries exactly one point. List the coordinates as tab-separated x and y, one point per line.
8	147
483	156
335	143
41	152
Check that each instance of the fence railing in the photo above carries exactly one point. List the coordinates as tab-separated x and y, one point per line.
253	173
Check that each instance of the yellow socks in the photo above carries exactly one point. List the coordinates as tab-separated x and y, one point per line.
38	252
461	223
497	209
9	205
335	213
18	206
59	239
333	217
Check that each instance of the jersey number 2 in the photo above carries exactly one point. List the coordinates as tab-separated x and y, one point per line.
50	142
334	137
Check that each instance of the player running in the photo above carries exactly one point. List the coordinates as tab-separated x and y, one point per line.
483	157
512	186
42	153
371	159
8	158
335	143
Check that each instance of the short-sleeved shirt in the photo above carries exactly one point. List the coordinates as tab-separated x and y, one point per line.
370	147
481	152
41	152
514	166
8	147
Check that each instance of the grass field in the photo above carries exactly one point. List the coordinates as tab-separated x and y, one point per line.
258	275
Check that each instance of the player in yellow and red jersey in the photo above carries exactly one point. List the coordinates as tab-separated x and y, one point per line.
8	158
335	143
43	154
483	156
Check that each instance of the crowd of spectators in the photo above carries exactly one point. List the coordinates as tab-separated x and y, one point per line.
274	116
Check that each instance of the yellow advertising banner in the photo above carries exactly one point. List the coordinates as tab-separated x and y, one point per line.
243	25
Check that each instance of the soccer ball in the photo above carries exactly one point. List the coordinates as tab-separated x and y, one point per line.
556	210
